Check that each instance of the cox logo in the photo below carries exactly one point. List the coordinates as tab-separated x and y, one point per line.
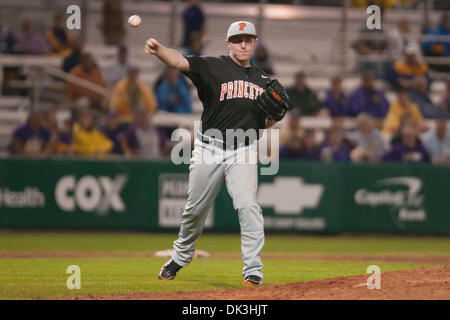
90	193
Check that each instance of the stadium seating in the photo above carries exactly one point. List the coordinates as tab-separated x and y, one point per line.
302	38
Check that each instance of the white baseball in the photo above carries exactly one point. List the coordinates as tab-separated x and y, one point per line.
134	20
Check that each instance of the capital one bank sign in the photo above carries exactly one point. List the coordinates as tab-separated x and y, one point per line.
404	196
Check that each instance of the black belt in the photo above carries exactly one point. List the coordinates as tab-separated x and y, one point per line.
231	145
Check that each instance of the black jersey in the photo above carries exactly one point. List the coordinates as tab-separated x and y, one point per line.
228	92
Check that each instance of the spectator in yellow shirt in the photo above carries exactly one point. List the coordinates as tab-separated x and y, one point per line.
398	108
406	69
87	140
129	94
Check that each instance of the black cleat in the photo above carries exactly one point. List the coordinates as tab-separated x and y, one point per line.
169	271
253	280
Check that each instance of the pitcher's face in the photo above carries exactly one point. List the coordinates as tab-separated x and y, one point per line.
242	46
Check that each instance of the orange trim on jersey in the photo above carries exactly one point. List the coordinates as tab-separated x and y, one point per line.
241	88
256	90
230	90
223	91
235	89
246	89
251	96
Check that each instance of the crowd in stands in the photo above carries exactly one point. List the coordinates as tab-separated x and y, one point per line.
396	55
367	144
385	132
120	123
41	136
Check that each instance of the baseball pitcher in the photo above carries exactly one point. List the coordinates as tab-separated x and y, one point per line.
235	95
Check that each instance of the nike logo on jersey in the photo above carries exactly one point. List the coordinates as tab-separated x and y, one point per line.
239	89
265	77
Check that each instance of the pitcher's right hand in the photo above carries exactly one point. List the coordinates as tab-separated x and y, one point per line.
152	46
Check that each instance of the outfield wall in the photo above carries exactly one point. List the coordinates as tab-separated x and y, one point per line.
145	195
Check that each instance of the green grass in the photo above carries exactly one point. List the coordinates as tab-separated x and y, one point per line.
35	278
46	278
140	242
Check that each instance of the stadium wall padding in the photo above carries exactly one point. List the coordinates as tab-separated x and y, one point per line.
143	195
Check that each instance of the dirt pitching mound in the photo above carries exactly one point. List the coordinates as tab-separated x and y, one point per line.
413	284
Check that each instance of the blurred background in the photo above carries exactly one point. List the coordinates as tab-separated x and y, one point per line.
86	116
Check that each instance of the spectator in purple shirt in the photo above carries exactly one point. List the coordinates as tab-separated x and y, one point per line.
31	138
335	102
114	130
291	150
29	41
334	149
309	150
194	21
408	150
368	99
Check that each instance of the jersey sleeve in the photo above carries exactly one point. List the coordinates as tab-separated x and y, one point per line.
200	73
199	67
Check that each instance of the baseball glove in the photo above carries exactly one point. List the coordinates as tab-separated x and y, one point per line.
274	101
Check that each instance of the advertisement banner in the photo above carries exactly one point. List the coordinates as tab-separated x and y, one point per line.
151	195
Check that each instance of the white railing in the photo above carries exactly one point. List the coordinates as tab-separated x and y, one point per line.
76	80
39	65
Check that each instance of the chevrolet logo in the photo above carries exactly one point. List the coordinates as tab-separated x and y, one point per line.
288	195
